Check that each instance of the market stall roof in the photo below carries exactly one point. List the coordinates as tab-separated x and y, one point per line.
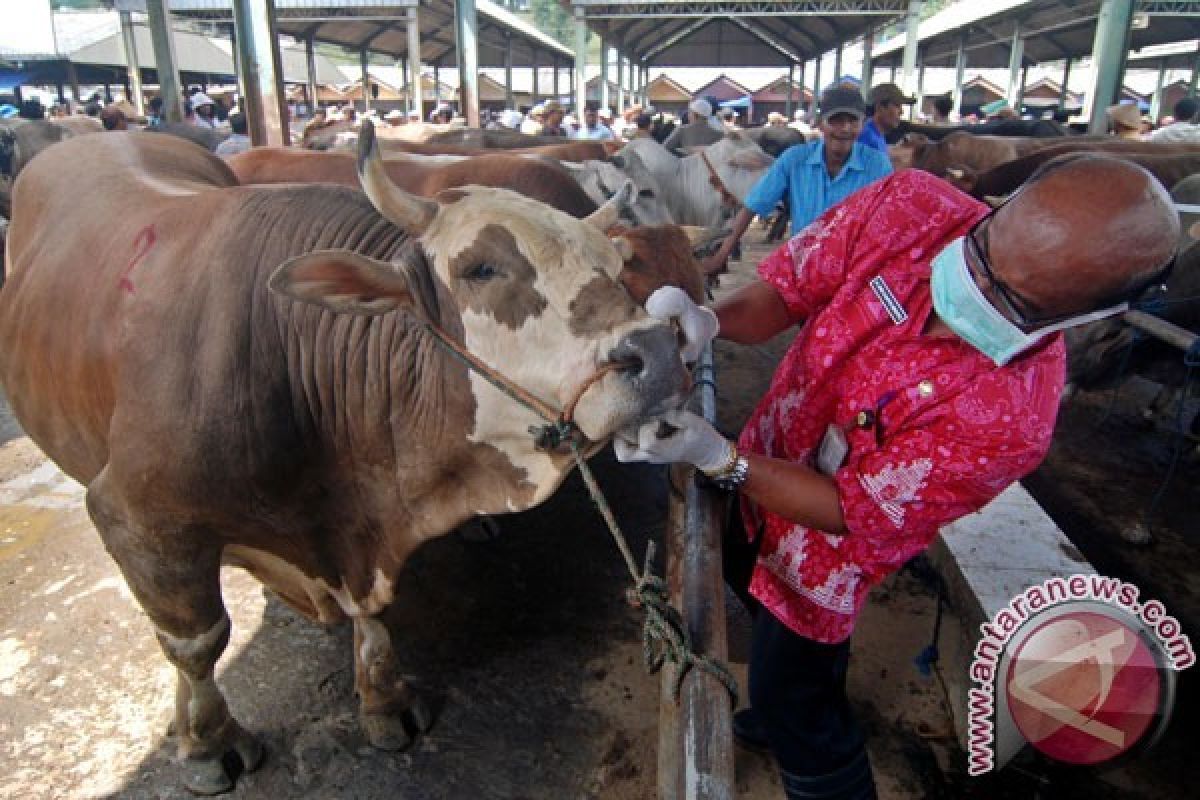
381	28
1052	29
734	33
200	58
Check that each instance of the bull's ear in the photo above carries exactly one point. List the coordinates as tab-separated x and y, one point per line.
624	248
699	236
343	281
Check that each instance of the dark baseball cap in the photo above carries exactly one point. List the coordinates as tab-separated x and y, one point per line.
841	100
890	93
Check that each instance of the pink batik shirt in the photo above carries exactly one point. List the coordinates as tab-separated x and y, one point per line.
934	429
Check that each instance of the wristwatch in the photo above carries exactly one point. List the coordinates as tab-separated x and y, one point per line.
733	473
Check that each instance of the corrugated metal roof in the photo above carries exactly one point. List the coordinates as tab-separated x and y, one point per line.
1052	29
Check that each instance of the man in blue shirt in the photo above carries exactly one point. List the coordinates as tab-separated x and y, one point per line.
887	102
815	175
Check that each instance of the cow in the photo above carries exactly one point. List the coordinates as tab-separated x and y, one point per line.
253	375
539	179
775	139
1168	163
602	179
692	194
491	139
979	153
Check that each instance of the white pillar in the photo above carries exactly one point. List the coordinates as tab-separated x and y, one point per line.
159	20
580	62
604	73
508	63
960	68
867	68
620	83
1016	57
912	24
837	63
414	62
265	102
132	64
1156	100
466	29
1108	56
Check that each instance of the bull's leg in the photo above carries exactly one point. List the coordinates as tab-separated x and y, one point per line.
390	711
175	575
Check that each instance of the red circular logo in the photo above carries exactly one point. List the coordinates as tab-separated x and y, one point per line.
1084	687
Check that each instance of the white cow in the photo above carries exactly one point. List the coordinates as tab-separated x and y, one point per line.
687	185
601	180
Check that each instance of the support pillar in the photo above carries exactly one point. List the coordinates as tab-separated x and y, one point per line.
533	100
1108	61
1156	100
837	63
867	66
604	99
817	77
960	69
132	65
791	82
365	79
310	58
264	102
466	30
1066	79
580	88
414	62
556	94
159	20
912	24
920	94
620	83
508	64
1016	58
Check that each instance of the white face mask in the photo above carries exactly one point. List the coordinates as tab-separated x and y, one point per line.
961	304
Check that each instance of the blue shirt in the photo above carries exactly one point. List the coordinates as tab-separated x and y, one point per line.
871	136
801	173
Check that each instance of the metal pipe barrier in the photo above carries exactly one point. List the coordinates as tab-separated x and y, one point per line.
695	749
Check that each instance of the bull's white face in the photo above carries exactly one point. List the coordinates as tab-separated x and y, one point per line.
539	299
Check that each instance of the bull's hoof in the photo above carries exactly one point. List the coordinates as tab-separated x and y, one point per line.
207	776
386	731
249	750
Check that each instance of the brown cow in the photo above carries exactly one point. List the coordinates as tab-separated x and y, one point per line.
245	374
539	179
1169	163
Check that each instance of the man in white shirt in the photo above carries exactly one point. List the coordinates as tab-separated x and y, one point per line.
592	128
204	107
1185	128
238	141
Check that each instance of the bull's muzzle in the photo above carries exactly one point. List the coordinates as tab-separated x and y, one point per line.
652	366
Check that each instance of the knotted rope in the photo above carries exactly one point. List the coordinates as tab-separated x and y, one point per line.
664	634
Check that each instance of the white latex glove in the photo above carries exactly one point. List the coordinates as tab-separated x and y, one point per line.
699	324
694	442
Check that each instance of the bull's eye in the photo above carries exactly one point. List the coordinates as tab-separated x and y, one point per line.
481	272
646	193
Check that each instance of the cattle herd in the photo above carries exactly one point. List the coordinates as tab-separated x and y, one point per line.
237	358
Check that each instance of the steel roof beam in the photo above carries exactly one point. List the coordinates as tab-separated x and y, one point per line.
765	38
677	37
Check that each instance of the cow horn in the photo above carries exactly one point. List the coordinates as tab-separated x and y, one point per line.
617	160
699	236
609	214
407	212
957	174
1194	231
993	201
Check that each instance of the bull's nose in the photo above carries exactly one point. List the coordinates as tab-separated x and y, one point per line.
654	366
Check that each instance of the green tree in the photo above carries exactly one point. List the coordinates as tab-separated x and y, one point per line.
553	20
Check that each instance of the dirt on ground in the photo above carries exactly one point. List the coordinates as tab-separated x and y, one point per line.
523	643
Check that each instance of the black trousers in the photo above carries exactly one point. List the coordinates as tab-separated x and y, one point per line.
797	685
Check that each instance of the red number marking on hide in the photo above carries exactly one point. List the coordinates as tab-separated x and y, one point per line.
141	245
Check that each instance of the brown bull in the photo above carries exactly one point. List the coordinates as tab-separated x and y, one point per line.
536	178
1168	168
245	375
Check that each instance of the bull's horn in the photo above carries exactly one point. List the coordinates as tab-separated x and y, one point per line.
698	235
617	160
993	201
957	174
1194	231
609	214
409	213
